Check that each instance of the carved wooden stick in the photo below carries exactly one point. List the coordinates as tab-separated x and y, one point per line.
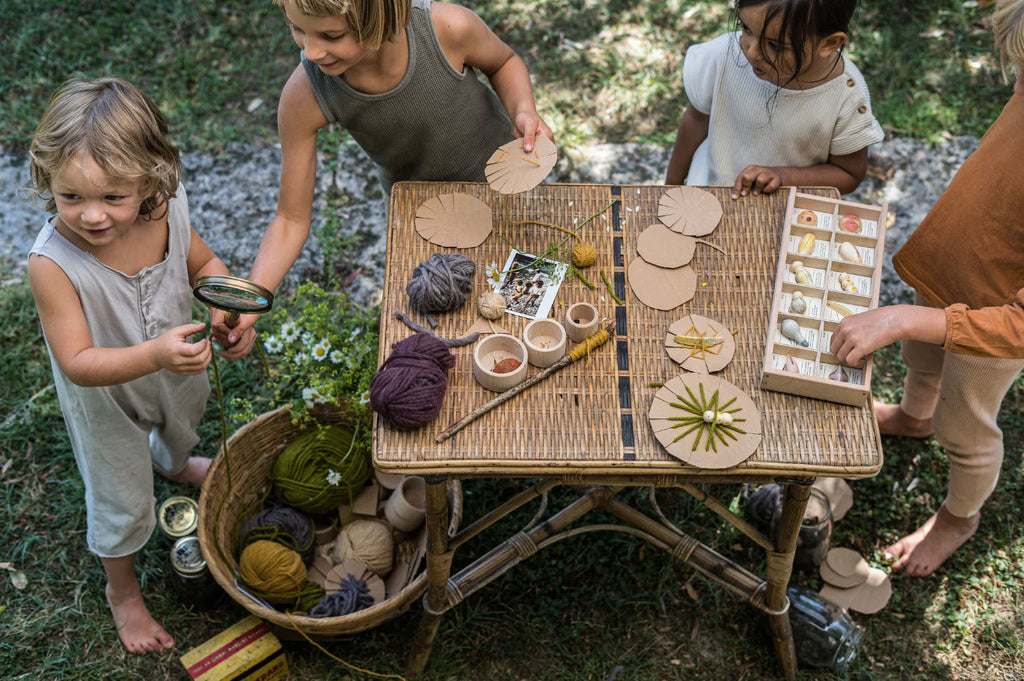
579	351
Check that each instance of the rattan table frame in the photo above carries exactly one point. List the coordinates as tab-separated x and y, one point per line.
586	426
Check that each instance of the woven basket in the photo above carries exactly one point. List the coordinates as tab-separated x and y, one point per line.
252	450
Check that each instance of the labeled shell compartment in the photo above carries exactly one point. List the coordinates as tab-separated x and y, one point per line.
830	266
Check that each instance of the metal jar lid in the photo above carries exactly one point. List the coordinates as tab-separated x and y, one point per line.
187	556
178	517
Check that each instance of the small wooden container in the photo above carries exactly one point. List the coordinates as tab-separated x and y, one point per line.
493	350
545	342
581	321
838	245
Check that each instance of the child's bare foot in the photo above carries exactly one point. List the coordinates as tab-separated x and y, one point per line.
892	420
194	471
927	548
139	632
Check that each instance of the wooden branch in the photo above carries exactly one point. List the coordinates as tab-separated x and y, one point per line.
580	350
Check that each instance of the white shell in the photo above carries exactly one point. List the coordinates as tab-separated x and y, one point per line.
849	253
791	330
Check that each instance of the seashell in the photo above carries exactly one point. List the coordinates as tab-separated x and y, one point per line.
802	276
846	283
840	310
791	365
807	217
850	223
797	304
839	375
723	418
791	330
849	252
806	244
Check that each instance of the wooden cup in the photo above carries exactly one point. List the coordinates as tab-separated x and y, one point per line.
492	350
545	342
581	321
406	508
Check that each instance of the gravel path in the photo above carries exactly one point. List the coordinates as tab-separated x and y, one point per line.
232	200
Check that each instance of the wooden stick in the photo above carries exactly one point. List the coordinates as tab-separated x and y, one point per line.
579	351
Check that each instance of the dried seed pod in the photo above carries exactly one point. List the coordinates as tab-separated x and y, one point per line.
840	310
846	283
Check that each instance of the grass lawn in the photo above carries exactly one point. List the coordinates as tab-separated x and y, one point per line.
604	72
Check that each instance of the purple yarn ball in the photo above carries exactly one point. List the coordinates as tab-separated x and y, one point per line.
409	387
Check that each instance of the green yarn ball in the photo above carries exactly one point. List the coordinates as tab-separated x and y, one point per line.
324	468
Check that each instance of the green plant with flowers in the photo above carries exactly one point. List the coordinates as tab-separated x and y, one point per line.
321	347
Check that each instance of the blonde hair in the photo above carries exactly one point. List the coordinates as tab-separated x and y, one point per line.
1008	25
372	22
119	127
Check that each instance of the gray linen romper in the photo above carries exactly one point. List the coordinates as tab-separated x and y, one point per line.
119	432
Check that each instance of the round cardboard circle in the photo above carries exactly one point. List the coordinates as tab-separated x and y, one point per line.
691	447
690	211
866	598
455	220
847	568
839	493
661	288
511	170
660	246
708	360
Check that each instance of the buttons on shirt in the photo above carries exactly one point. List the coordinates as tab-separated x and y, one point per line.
862	109
849	82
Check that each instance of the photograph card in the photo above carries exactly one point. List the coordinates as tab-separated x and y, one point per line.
529	284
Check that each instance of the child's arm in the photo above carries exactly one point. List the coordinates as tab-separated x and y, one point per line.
467	41
842	172
202	262
693	129
859	335
67	332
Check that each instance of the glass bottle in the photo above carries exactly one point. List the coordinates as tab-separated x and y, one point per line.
823	633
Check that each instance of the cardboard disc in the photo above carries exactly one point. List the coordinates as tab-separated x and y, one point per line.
660	246
866	598
456	220
690	211
701	360
483	325
839	493
690	444
511	170
660	288
844	568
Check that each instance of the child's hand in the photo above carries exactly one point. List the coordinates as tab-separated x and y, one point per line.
528	125
241	347
173	351
861	334
755	180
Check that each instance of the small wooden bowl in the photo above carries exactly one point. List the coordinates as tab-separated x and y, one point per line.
545	342
581	321
492	350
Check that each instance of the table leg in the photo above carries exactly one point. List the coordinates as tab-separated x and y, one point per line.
780	567
439	564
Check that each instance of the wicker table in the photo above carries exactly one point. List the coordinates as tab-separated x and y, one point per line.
586	426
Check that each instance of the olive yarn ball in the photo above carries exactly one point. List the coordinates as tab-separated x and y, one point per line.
584	255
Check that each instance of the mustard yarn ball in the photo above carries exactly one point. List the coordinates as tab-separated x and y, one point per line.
491	304
273	571
367	541
584	255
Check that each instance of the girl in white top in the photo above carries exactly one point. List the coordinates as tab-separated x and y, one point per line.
776	103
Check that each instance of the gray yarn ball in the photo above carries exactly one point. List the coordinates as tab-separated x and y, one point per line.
441	283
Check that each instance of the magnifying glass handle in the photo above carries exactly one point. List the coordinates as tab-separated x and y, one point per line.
231	318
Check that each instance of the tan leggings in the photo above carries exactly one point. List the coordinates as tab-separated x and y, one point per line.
962	396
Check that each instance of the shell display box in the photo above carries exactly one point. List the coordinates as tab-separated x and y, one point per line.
830	266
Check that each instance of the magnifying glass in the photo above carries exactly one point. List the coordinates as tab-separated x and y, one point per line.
233	295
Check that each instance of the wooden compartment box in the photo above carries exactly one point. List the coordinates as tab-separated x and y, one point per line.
831	257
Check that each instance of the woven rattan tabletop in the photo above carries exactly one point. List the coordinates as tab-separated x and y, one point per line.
591	417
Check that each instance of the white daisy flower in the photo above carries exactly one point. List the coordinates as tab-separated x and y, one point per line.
273	345
289	332
333	477
355	332
307	338
493	274
336	357
321	350
301	357
365	397
312	397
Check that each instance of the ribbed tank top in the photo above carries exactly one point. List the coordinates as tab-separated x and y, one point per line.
437	124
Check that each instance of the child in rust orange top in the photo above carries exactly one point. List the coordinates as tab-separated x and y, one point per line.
963	340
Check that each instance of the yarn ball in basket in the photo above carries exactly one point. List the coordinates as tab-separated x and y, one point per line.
285	525
441	283
410	386
584	255
353	595
311	594
491	305
274	572
368	541
322	469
